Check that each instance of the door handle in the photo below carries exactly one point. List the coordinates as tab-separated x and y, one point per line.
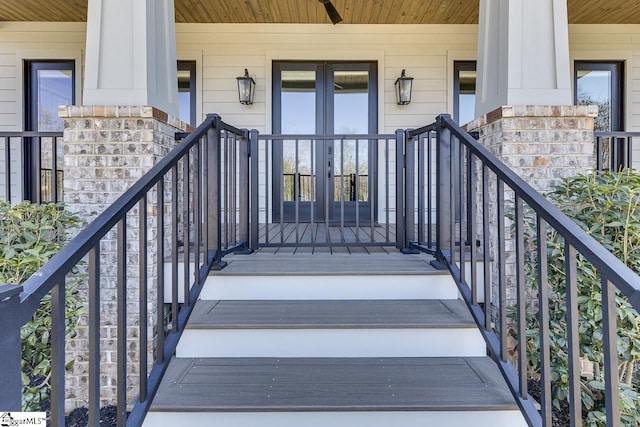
329	169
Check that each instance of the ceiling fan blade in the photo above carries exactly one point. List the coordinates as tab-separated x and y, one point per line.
331	11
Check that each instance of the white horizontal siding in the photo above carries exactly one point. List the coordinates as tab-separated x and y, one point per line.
31	41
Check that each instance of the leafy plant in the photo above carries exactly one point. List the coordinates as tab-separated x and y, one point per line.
607	206
29	235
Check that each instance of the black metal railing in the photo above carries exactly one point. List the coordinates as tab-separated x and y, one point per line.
31	166
325	190
190	198
614	150
494	202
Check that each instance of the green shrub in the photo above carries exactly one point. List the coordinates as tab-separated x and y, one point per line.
29	235
607	206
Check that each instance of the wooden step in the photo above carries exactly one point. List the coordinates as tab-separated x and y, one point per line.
302	391
331	328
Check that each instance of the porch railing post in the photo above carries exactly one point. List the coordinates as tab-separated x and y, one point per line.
254	186
10	374
243	189
409	192
400	236
214	189
443	187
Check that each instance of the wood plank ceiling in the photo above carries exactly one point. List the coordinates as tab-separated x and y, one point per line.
311	11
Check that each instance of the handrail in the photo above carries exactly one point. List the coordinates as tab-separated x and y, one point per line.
196	186
589	247
472	180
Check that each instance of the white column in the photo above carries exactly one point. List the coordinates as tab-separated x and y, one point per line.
131	54
523	54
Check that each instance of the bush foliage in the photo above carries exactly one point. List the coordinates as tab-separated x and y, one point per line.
29	235
607	206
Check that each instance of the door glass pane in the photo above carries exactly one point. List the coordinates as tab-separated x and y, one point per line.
466	96
351	116
55	87
593	87
186	91
298	116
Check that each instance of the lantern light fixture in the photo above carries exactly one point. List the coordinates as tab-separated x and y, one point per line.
246	88
403	89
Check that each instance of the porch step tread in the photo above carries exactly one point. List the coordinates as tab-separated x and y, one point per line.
312	265
332	384
333	314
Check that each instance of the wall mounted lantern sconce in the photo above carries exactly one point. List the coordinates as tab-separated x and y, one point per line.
403	89
246	88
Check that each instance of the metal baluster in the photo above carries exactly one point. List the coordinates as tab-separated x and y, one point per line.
186	252
197	216
58	353
543	320
471	224
37	158
342	238
386	186
421	191
521	296
573	344
312	189
430	241
502	285
142	296
174	248
610	349
461	226
7	168
94	336
160	285
121	383
54	169
486	261
296	188
370	192
357	193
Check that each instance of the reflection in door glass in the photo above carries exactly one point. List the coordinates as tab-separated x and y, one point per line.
351	116
298	117
593	87
55	87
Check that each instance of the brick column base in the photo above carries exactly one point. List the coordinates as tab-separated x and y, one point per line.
541	143
106	150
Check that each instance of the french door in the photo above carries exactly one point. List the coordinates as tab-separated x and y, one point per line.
324	178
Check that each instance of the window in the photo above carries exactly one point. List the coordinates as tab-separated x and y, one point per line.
464	91
187	92
600	83
48	84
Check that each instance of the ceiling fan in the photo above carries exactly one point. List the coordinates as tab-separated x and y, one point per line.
331	11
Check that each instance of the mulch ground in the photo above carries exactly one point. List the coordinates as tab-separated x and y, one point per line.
80	417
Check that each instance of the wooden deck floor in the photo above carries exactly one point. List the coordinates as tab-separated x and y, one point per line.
352	260
332	384
318	235
319	314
